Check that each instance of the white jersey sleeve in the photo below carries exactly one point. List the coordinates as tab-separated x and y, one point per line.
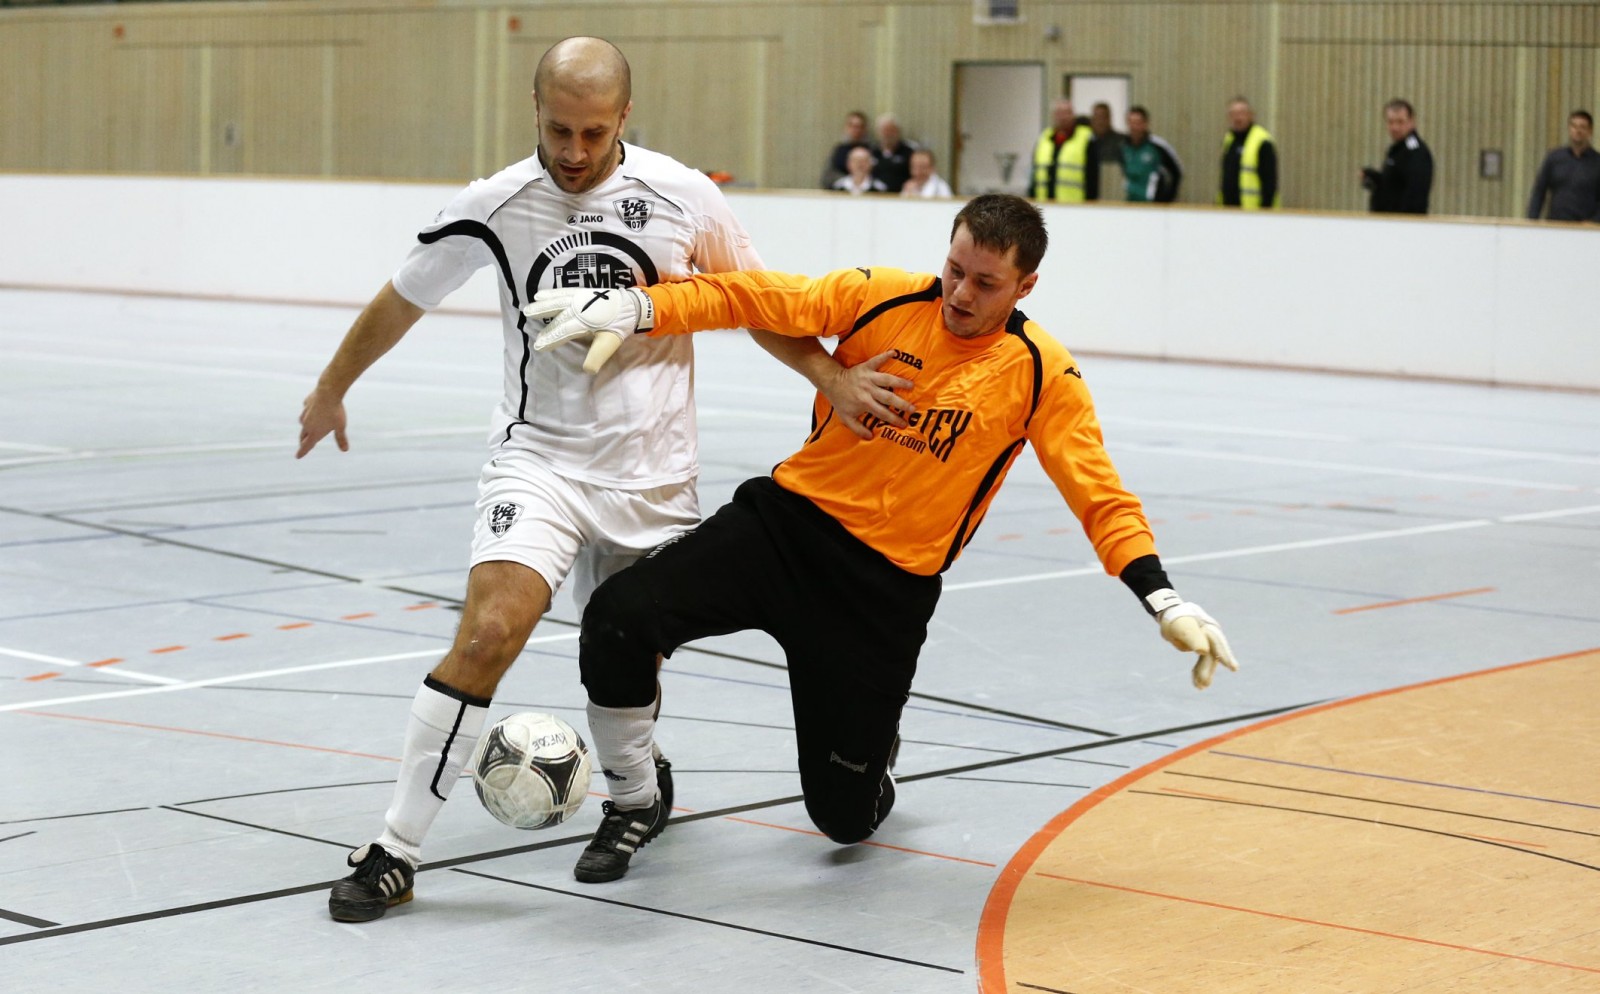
721	243
451	249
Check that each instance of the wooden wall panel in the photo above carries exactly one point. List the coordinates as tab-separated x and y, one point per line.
439	91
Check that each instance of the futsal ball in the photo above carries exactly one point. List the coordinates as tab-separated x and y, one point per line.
531	770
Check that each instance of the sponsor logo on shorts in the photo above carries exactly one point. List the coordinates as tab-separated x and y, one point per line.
614	777
634	212
503	516
834	757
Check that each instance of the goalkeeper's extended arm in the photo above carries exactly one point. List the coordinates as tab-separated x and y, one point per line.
606	314
1184	624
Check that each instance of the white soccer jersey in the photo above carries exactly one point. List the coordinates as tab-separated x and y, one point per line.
631	426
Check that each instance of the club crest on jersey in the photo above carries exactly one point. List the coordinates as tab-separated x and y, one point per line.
634	212
502	516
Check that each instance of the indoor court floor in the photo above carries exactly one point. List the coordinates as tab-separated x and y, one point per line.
208	651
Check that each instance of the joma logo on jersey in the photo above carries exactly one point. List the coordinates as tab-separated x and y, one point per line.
593	270
908	359
634	212
585	218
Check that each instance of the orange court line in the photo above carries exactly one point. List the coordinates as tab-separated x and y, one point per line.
997	909
1313	921
1511	842
230	638
418	607
297	624
1415	600
354	617
879	845
214	735
42	676
105	662
168	648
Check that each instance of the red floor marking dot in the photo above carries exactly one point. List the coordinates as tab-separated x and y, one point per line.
42	676
298	624
230	638
354	617
419	607
105	662
169	648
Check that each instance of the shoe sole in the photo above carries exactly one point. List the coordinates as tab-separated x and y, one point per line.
366	913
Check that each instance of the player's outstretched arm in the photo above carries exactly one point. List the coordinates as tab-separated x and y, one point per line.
381	324
1190	629
852	390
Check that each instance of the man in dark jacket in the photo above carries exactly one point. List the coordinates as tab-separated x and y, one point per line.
1402	185
1570	175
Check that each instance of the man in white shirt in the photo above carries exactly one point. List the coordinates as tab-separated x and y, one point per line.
588	472
924	182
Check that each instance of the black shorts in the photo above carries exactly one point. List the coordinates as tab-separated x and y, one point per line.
850	622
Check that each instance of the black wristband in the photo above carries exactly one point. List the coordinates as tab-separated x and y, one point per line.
1144	576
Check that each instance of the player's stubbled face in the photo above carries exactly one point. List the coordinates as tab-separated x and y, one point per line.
578	137
981	286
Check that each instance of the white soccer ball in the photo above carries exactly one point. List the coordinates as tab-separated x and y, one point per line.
531	770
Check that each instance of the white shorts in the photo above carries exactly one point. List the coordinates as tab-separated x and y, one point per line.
555	526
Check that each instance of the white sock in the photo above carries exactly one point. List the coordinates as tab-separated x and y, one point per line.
622	739
444	728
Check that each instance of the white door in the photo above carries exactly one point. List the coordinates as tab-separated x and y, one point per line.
1085	92
999	114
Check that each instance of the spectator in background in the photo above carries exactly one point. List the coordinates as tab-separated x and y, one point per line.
1249	161
924	182
1108	141
1061	159
1401	186
1149	165
1570	175
855	136
859	179
893	155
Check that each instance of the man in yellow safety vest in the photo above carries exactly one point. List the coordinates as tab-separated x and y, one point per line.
1061	159
1249	161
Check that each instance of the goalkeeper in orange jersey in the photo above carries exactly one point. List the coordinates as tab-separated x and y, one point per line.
888	514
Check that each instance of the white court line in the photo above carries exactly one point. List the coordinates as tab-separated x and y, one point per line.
1310	436
1541	515
287	444
58	661
307	380
25	447
1472	450
1345	467
258	675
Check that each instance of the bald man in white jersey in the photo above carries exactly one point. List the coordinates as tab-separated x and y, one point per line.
587	473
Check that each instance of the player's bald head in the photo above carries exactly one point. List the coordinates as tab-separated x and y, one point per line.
584	66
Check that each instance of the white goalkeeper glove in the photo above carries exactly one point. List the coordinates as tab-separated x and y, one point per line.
606	315
1191	629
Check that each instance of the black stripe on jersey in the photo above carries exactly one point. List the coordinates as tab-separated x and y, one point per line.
482	232
1014	327
933	292
969	527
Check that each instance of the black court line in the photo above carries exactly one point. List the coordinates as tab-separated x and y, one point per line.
709	921
20	835
1026	783
259	828
81	814
28	920
576	839
1371	821
1036	987
1392	804
283	790
1094	762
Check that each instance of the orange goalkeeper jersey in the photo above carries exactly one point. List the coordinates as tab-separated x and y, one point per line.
918	494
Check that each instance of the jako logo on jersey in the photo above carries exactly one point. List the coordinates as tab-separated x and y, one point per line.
502	516
585	218
634	212
908	359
